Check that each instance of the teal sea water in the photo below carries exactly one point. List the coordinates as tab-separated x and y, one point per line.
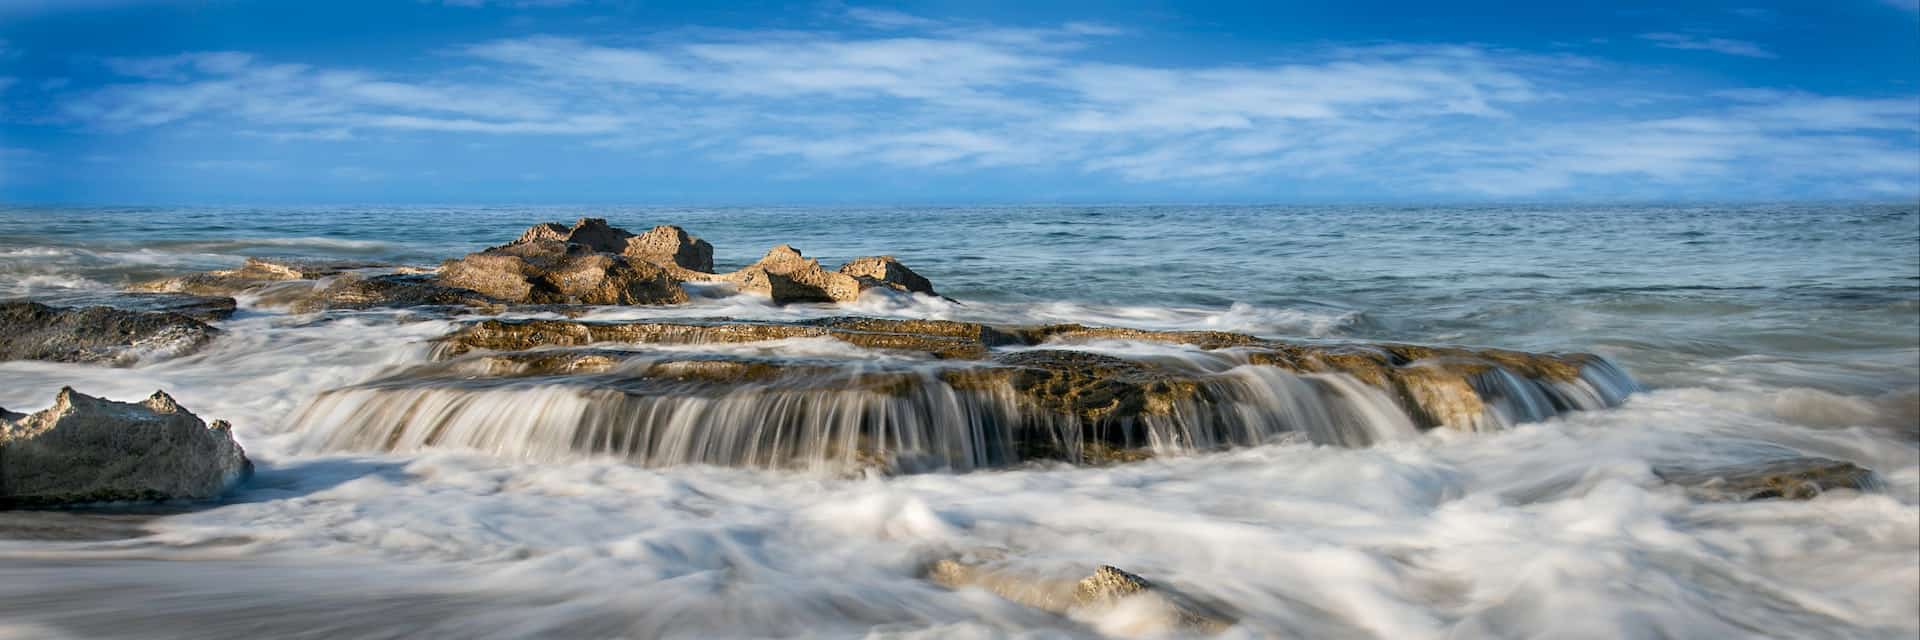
1752	329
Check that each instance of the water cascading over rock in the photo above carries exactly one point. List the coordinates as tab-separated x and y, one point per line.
923	394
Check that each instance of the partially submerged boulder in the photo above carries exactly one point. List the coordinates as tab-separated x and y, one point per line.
354	292
556	272
202	308
86	449
100	335
788	276
1792	478
256	274
1168	610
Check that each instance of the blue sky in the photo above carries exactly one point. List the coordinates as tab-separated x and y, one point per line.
397	101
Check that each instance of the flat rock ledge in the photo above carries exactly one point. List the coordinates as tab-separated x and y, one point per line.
85	449
588	263
1436	386
96	335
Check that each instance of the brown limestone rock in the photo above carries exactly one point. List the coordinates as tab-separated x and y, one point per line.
553	272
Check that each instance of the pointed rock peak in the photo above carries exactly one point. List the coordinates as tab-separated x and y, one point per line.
543	231
591	223
160	402
784	250
67	397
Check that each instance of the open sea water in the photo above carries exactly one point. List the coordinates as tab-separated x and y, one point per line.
1754	329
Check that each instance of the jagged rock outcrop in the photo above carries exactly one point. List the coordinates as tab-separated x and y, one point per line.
86	449
101	335
787	276
668	245
556	272
1791	478
1173	611
887	270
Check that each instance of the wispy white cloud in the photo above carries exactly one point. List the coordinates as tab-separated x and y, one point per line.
1727	46
888	18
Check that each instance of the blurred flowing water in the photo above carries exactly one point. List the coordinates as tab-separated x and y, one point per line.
1756	331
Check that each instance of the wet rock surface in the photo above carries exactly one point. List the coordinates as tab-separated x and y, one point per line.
1438	386
97	335
253	276
930	394
1797	478
85	449
1165	610
397	290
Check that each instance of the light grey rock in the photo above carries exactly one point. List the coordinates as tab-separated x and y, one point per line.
86	449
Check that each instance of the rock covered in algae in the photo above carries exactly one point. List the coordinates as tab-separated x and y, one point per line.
99	335
86	449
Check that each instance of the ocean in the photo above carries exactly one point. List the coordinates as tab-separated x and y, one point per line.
1749	332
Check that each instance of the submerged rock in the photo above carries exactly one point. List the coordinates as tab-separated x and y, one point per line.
1800	478
103	335
86	449
1166	610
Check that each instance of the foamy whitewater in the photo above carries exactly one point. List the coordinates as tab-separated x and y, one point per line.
1749	333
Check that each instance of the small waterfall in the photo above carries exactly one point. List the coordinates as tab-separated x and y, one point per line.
911	419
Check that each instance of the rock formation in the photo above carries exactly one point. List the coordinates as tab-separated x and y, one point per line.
588	263
1792	478
86	449
556	272
1107	587
253	276
787	276
668	245
102	335
954	395
395	290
